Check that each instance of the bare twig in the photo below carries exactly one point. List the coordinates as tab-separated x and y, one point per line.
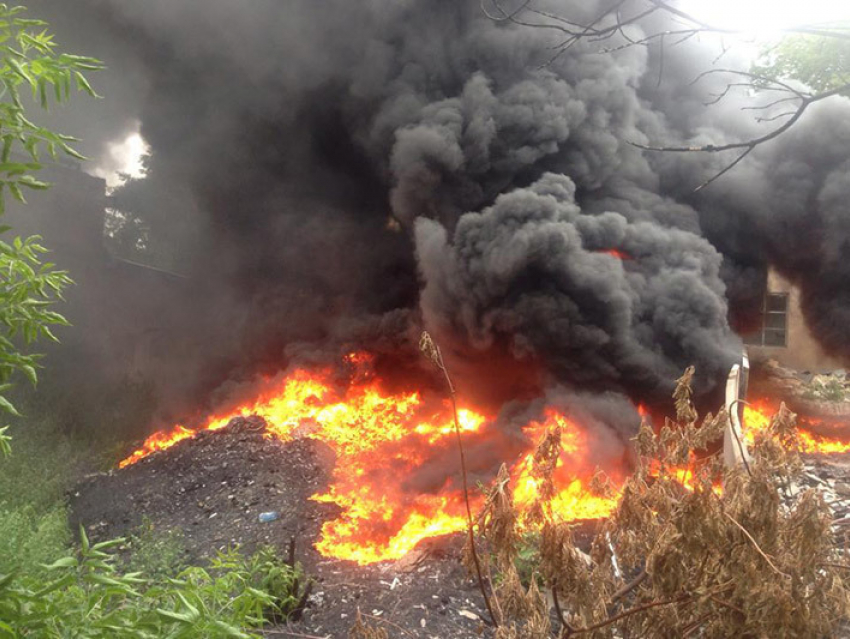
695	625
748	145
726	604
626	589
756	546
292	633
432	351
763	107
774	118
565	625
389	623
594	31
631	611
717	176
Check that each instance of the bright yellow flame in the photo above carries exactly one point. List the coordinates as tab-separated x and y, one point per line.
757	418
381	439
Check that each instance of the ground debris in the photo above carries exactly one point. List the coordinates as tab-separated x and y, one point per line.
213	487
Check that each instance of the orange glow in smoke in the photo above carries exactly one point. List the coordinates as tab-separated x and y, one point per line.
620	255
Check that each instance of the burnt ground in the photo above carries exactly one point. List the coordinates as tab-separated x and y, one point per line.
213	487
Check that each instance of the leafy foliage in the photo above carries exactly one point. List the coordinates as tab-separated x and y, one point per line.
28	287
156	553
86	596
821	63
693	549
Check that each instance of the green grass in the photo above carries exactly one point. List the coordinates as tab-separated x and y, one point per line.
154	552
33	510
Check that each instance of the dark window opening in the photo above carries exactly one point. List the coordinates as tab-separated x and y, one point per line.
774	324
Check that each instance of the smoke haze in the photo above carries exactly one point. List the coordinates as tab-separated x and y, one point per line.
339	175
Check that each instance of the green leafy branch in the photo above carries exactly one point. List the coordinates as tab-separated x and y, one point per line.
29	63
85	595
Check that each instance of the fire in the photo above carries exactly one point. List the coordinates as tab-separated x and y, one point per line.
396	476
757	418
158	441
574	500
383	443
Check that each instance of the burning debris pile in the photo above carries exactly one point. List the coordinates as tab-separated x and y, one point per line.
395	478
212	488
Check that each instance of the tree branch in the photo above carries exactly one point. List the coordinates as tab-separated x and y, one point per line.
747	145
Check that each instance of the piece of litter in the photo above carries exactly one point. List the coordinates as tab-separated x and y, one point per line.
468	614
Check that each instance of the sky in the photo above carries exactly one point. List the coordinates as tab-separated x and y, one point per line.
766	17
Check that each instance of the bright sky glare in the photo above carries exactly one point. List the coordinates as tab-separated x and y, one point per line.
123	158
765	17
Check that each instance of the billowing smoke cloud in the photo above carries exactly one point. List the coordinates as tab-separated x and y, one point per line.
532	270
342	174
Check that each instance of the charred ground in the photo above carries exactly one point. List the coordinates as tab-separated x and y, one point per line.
212	489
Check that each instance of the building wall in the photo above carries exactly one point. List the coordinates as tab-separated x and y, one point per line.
115	307
801	352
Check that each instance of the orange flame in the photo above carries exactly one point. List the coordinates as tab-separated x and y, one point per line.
757	418
382	441
573	500
396	475
158	441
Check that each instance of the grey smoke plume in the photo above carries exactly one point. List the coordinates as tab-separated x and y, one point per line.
341	174
531	270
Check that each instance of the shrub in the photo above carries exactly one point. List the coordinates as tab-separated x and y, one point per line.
86	596
156	553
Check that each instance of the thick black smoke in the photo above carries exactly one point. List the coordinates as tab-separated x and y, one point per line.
341	174
531	270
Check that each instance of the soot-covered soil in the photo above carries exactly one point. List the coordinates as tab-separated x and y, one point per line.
212	488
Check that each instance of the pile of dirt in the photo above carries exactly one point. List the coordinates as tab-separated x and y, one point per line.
213	487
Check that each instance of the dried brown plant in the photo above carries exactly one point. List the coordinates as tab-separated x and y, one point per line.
499	519
363	630
694	549
543	466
